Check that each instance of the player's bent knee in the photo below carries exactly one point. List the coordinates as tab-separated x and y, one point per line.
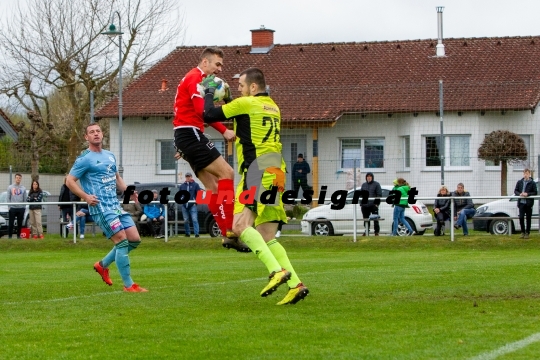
119	236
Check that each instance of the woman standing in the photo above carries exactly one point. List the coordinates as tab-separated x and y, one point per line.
35	195
399	209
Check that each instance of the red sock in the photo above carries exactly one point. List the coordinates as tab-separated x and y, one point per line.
218	214
226	192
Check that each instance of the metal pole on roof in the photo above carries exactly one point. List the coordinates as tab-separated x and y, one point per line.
441	141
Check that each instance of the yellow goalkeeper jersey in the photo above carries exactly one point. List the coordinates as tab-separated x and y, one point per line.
257	126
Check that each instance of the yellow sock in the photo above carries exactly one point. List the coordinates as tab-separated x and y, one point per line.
281	256
256	243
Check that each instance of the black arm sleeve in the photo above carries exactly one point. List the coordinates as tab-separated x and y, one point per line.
211	113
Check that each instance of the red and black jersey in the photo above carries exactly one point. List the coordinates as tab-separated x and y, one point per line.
188	103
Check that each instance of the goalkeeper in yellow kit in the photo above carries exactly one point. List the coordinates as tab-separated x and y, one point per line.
257	123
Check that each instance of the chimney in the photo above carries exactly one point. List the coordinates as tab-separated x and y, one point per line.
440	46
163	85
262	40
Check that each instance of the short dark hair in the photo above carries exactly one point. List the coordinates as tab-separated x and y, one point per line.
91	124
18	174
254	75
211	51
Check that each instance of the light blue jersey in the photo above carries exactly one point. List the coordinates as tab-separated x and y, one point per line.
96	172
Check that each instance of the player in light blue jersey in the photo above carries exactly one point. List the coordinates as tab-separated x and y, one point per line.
96	171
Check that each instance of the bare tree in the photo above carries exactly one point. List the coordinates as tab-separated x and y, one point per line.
33	137
56	46
503	146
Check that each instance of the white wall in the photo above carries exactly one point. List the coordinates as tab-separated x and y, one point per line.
140	148
477	179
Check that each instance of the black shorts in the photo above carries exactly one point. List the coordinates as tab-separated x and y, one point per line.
197	149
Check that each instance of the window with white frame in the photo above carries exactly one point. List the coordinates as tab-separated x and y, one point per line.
519	165
368	153
165	156
456	151
406	152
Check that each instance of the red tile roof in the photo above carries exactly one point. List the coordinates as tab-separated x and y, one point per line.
318	82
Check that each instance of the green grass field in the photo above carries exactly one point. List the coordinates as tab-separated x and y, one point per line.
420	297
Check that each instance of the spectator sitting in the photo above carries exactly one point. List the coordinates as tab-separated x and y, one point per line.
82	216
134	209
463	208
441	208
153	213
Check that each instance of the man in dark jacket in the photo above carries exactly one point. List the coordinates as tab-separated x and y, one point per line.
524	188
299	175
463	209
372	206
189	209
66	210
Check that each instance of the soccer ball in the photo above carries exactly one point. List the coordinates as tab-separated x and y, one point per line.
220	91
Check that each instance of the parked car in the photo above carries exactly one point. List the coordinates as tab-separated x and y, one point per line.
324	221
4	211
501	208
3	226
207	224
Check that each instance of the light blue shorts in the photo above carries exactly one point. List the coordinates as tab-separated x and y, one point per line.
113	221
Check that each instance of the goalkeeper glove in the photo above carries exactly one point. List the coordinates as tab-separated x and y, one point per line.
228	96
279	180
210	84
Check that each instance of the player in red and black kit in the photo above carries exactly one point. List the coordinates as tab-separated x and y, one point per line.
192	145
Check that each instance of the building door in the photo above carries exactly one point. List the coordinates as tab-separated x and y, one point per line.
292	146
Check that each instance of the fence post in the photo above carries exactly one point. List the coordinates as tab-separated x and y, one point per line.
452	219
74	221
166	222
354	208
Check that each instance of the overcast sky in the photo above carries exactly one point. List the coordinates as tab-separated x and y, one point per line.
302	21
221	22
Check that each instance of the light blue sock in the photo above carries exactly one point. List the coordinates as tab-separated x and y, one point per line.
109	258
122	262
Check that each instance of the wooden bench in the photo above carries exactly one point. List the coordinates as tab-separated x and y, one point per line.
509	220
170	225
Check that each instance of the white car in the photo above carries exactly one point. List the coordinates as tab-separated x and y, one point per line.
3	226
324	221
502	208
